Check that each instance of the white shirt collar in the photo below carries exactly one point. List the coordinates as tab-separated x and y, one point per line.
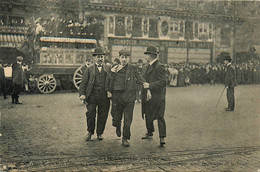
152	62
229	64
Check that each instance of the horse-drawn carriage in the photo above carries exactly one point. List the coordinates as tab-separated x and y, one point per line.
58	62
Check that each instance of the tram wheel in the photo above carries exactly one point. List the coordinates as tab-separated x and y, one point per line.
46	83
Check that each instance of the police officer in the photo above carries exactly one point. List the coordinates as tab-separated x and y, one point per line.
93	90
122	83
230	83
154	108
19	79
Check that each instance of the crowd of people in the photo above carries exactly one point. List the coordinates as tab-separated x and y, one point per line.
182	74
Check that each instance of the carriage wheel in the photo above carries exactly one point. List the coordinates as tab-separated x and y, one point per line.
46	83
77	77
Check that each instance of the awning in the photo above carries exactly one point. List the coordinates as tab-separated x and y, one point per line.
11	38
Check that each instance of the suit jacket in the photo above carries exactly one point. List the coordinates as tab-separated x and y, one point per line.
230	77
18	74
133	76
155	75
88	80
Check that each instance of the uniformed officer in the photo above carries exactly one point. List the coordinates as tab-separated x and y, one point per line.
154	108
93	90
122	83
230	83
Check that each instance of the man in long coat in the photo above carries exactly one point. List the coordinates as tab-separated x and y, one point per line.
154	108
93	90
122	83
19	79
230	83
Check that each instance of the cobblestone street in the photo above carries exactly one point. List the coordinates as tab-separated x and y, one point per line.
47	133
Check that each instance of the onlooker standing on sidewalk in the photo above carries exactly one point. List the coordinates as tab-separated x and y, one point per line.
19	79
123	87
230	83
138	86
154	109
93	90
2	80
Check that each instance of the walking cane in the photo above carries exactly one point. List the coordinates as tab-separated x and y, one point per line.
220	96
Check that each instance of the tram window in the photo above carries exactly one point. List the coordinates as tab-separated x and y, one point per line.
58	58
47	58
69	59
80	58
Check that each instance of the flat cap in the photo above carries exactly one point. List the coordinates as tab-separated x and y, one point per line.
124	52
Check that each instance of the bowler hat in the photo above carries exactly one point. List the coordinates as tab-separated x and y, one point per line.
124	52
19	58
228	58
151	49
98	51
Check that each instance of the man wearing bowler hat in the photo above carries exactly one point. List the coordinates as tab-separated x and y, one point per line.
230	83
93	90
122	83
19	79
154	108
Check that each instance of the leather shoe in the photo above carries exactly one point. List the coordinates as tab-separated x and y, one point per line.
148	136
125	143
88	138
228	109
162	142
118	131
100	137
17	102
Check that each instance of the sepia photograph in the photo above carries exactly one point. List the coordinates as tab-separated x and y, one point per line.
130	85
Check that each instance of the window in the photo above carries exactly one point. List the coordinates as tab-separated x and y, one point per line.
120	26
145	27
225	36
153	29
137	27
111	25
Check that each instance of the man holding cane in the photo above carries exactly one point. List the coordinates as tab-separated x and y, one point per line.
230	83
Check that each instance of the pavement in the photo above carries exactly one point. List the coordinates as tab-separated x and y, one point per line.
47	133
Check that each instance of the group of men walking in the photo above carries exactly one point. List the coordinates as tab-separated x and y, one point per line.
101	82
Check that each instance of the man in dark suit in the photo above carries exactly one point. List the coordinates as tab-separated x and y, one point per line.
122	83
154	108
93	90
230	83
19	79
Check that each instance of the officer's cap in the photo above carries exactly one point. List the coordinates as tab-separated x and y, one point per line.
228	58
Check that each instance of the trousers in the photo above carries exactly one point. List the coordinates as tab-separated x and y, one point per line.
122	109
97	105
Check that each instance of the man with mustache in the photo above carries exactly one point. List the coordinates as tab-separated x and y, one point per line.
93	90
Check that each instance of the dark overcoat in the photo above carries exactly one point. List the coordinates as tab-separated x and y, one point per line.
133	76
18	74
155	75
230	77
88	79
